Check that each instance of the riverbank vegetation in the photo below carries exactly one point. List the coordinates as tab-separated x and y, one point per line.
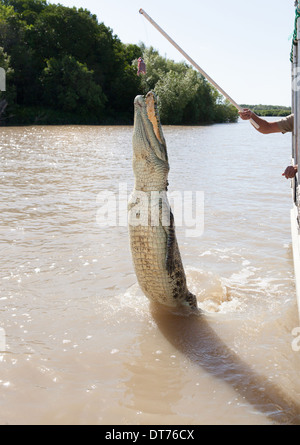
269	110
63	66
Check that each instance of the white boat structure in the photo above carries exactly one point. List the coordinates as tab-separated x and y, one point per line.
295	212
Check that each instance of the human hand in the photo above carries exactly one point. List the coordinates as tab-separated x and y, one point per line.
290	171
246	114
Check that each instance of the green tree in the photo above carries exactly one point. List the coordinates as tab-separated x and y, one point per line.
175	90
123	84
61	31
38	35
200	109
69	85
225	112
64	60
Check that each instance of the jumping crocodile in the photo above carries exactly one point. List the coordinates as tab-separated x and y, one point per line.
154	248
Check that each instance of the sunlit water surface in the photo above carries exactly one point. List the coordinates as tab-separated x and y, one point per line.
83	344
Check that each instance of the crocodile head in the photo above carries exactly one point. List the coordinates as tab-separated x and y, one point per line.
150	158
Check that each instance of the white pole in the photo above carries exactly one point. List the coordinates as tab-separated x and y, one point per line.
194	63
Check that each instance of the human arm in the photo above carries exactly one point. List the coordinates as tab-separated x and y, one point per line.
264	126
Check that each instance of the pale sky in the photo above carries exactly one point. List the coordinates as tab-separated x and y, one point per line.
243	45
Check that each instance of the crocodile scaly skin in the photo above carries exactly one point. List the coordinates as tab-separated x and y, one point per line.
155	253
